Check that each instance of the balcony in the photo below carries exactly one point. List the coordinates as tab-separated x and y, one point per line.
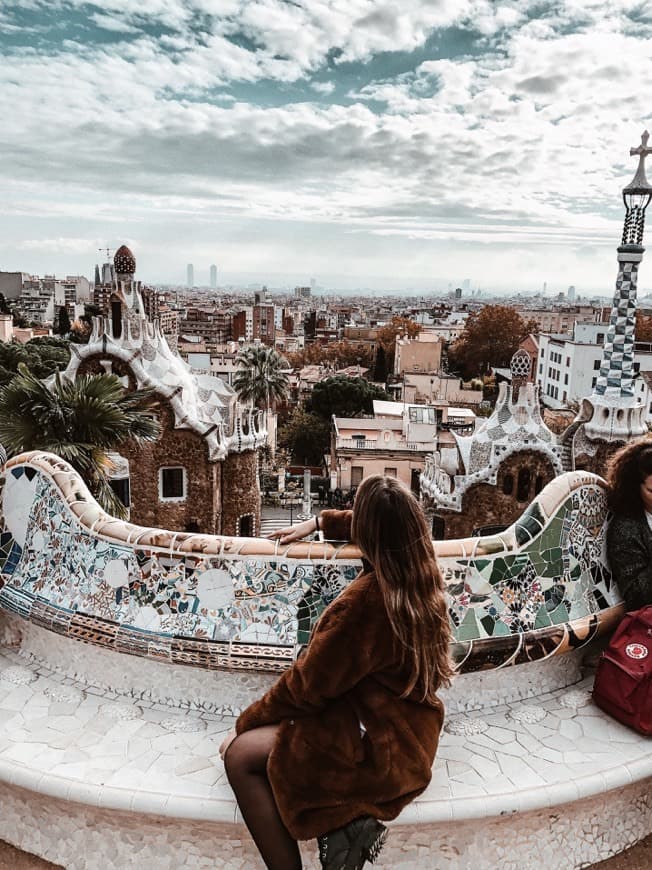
377	444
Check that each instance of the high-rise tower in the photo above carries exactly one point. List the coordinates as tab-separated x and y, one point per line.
190	275
214	277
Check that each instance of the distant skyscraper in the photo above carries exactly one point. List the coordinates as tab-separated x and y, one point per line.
458	292
466	284
213	277
571	293
190	275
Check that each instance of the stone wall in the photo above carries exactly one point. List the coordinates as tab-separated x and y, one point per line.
200	509
175	447
240	493
486	505
218	493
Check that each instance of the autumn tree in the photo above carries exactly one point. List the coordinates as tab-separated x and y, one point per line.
490	338
386	336
338	354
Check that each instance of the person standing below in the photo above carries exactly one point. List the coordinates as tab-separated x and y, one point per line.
629	537
347	736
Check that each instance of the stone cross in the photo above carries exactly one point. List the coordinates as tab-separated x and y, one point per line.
639	178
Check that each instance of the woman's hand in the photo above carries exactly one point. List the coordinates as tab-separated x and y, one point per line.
228	740
294	533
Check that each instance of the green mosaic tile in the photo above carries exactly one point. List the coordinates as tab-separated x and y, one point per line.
501	630
468	630
543	618
559	615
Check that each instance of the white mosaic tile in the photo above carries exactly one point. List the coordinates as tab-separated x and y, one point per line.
180	723
528	713
63	693
576	698
466	727
18	675
121	711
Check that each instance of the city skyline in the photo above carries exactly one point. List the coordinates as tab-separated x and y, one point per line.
372	147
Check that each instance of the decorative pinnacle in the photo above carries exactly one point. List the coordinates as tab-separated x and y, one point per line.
639	184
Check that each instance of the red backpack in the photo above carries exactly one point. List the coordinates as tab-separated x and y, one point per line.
623	681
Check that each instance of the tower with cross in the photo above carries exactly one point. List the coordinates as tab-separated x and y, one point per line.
613	413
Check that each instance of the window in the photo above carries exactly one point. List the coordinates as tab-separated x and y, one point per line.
172	484
438	528
594	381
523	486
120	486
390	472
541	368
600	338
246	526
356	475
422	415
508	484
568	361
596	365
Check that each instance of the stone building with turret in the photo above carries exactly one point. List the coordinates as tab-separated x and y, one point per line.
498	469
201	474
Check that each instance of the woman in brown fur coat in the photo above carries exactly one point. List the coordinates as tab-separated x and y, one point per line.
348	734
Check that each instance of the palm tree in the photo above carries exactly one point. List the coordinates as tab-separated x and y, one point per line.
263	376
80	420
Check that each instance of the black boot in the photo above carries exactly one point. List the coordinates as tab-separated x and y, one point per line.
348	848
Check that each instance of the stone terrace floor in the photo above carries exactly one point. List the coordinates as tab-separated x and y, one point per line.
78	739
636	858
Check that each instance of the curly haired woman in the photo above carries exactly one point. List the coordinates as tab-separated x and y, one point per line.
348	735
629	539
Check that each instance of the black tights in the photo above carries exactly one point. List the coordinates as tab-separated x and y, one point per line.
246	767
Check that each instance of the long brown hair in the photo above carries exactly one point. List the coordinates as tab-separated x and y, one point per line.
626	471
389	527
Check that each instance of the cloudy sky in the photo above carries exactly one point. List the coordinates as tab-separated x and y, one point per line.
389	145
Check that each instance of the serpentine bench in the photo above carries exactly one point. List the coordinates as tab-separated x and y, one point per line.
108	747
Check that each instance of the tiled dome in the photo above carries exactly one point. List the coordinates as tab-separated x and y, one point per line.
124	261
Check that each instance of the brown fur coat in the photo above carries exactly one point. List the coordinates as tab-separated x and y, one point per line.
324	771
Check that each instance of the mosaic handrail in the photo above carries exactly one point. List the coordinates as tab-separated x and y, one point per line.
540	588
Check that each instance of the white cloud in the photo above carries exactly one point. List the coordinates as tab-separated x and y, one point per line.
525	142
323	87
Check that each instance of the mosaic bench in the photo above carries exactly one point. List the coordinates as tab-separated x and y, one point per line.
182	630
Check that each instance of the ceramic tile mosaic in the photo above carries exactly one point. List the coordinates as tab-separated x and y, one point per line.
548	589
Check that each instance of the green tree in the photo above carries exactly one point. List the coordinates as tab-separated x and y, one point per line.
81	421
62	321
262	377
345	397
490	338
380	365
305	436
42	356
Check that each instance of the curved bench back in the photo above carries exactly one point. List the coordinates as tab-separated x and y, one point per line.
540	588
